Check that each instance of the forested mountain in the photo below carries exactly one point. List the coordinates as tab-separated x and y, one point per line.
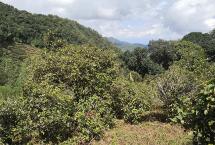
23	33
35	29
125	45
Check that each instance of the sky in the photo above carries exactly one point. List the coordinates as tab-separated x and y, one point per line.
136	21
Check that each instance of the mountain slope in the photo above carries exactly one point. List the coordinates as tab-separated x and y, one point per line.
124	45
24	27
22	33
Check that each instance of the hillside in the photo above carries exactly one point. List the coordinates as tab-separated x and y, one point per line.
62	83
124	45
24	27
22	33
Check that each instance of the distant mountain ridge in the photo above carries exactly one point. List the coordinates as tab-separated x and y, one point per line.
125	45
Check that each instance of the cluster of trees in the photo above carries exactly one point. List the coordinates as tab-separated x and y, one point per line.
72	90
139	61
156	59
205	40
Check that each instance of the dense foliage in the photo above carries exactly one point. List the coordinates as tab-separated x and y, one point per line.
138	60
203	117
205	40
24	27
75	89
163	52
65	94
198	114
184	77
173	85
130	100
179	89
11	68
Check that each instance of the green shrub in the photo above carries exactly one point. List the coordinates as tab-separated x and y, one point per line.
53	40
198	114
179	89
193	59
178	86
76	71
93	117
11	116
174	84
130	100
35	120
203	118
66	95
43	120
3	78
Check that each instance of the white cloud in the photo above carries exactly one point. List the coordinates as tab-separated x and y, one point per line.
184	16
135	20
210	23
61	2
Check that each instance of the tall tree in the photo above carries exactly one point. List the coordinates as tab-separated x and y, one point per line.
138	60
163	52
205	40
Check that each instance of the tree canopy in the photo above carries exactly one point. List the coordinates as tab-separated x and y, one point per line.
138	60
205	40
24	27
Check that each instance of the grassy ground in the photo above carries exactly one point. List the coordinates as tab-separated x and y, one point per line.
147	133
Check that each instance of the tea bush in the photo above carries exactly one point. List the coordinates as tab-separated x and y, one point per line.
93	117
203	117
178	86
193	58
10	115
130	100
198	115
66	95
77	71
174	84
35	120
